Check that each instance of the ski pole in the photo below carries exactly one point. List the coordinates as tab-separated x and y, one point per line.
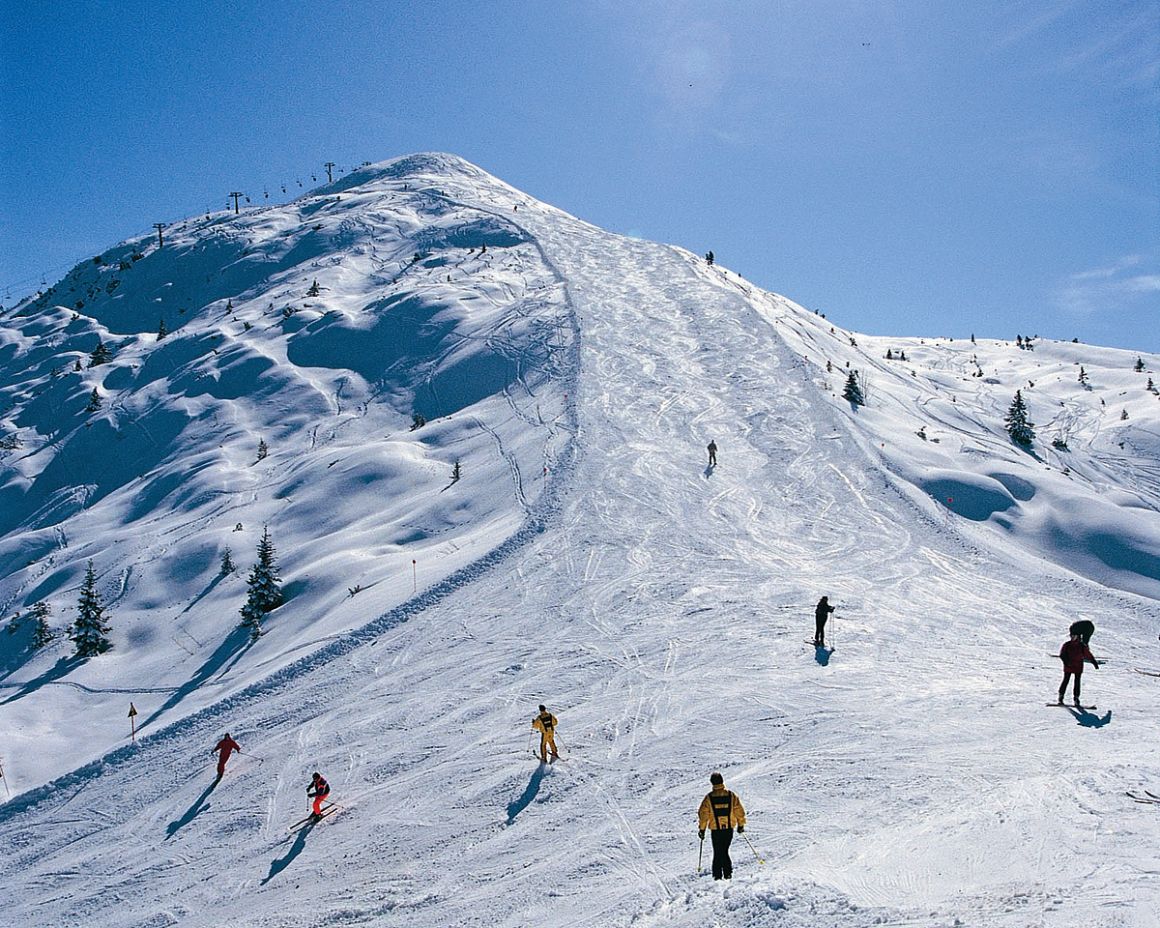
699	853
760	860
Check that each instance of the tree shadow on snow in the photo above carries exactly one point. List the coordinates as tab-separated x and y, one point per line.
62	668
236	643
278	864
822	654
191	813
533	787
1088	720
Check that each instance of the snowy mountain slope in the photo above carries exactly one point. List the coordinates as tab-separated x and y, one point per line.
154	485
659	607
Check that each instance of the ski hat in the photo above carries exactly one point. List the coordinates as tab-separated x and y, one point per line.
716	779
543	708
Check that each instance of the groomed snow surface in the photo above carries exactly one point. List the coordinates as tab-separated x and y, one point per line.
587	558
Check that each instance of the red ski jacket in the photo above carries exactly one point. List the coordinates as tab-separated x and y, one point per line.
226	747
1073	654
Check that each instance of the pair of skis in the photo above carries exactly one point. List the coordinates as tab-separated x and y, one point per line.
1149	797
1064	705
327	809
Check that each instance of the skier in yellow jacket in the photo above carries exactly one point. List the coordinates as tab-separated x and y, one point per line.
545	724
721	811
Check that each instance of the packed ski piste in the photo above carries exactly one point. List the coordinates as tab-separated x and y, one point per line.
387	515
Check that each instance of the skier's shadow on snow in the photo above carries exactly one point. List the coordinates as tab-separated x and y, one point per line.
709	470
1088	720
533	787
822	654
278	864
191	813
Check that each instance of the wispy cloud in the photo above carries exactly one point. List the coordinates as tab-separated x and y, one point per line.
1113	43
1131	283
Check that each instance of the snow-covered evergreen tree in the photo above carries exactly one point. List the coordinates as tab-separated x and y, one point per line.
228	566
1019	426
265	593
94	402
42	634
89	630
100	355
853	390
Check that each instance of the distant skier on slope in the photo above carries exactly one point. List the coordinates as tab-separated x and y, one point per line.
545	724
709	259
1073	654
712	453
318	790
224	749
1084	628
721	811
821	614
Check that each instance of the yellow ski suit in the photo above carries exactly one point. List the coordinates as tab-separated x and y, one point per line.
545	724
720	809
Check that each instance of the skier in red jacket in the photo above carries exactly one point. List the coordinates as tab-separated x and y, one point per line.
318	790
1073	654
224	749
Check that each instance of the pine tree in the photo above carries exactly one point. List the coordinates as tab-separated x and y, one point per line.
456	472
42	634
1139	365
89	629
263	449
161	330
1083	378
314	290
265	592
95	401
853	390
1019	427
100	355
228	566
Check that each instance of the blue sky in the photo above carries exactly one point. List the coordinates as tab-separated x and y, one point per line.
913	168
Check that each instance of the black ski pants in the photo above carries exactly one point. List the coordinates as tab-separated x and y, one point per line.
820	631
722	865
1063	686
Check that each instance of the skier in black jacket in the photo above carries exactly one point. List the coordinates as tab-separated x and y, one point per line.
821	613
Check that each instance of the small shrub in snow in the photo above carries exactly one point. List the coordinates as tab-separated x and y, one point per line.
1139	366
314	290
417	421
263	449
1123	414
1083	377
456	472
1059	444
